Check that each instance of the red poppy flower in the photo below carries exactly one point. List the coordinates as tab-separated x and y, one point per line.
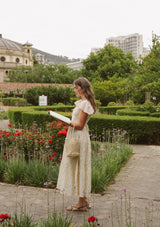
51	157
64	133
52	123
49	140
91	219
10	125
18	133
41	141
3	216
5	156
54	154
60	133
66	129
59	124
52	136
7	133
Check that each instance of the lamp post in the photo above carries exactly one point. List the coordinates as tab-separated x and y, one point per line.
26	71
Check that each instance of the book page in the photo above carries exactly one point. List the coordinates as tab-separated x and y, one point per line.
59	117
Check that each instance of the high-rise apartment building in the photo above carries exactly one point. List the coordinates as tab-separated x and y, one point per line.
132	43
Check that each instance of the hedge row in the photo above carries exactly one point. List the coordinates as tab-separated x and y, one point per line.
13	101
110	109
27	115
63	108
141	130
128	112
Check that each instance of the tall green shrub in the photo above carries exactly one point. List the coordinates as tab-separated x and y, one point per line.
54	94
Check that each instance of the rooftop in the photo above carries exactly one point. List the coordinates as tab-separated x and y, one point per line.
7	44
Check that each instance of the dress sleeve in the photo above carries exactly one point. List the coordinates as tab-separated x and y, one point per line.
86	107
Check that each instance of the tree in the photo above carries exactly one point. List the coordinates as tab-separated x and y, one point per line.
108	62
148	75
44	74
105	91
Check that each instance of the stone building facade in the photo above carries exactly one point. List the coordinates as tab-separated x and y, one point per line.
12	55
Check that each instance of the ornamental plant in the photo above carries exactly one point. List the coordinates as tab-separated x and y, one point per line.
5	219
93	221
34	143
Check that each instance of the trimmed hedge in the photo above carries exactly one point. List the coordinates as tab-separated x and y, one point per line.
128	112
62	108
141	130
110	109
157	114
27	115
13	101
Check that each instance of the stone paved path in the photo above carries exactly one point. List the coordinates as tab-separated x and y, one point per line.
139	179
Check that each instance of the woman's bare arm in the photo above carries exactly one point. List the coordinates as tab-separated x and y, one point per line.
81	122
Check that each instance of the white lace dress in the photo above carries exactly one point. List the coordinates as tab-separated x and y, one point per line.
75	174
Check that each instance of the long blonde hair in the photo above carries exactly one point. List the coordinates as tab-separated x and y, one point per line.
87	90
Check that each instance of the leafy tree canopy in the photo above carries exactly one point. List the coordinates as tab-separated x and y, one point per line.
108	62
151	63
43	74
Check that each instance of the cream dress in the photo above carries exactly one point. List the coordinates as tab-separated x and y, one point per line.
75	174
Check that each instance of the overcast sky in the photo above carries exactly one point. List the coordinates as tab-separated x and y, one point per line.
72	27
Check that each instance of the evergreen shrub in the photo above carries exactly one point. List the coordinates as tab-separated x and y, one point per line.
157	114
26	116
129	103
149	106
140	129
54	94
13	101
130	112
110	109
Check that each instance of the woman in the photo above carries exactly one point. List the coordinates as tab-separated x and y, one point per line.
75	174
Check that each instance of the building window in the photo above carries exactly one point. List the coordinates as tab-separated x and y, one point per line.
26	62
6	72
3	58
28	51
17	60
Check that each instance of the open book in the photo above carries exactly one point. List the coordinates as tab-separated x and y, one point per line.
59	117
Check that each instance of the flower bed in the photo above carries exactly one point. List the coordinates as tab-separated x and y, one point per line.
32	156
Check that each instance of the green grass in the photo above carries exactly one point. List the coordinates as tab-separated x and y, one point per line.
56	220
107	163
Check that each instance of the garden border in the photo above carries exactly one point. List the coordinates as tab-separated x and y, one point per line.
141	130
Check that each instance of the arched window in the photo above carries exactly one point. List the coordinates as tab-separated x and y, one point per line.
3	58
26	62
28	51
17	60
